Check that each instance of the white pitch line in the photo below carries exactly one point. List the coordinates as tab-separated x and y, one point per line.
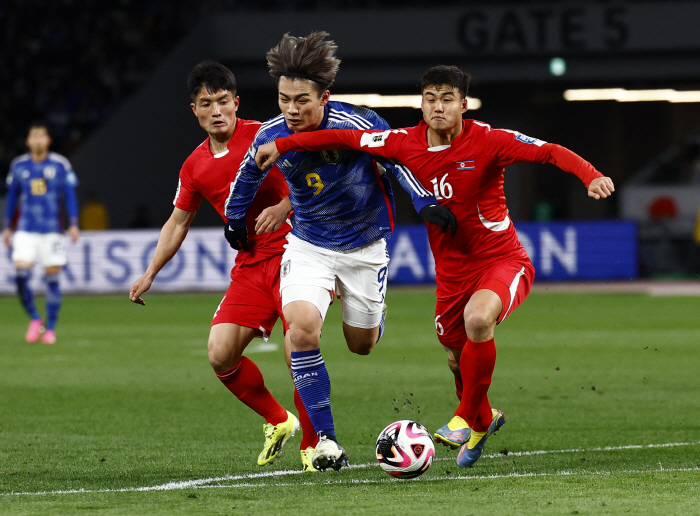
202	483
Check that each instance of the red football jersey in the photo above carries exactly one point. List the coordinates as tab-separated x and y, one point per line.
211	175
466	176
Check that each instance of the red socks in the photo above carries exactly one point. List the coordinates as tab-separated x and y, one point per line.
246	382
459	386
476	364
309	437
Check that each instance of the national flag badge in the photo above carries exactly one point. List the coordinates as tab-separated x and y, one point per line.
284	270
330	156
465	164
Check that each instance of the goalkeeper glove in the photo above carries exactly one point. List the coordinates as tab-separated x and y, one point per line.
441	216
237	237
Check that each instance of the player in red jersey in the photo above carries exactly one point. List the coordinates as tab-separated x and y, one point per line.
252	302
483	272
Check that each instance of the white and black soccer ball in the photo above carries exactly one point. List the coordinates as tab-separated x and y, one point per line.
405	449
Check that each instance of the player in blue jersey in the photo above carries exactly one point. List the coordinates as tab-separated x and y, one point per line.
37	183
344	211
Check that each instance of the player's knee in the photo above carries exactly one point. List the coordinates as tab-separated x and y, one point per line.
222	355
478	323
453	365
360	341
302	339
362	347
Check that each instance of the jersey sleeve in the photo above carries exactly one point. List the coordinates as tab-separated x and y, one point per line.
374	142
13	194
69	198
381	142
244	187
187	197
514	147
569	162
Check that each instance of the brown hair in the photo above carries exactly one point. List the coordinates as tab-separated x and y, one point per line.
311	58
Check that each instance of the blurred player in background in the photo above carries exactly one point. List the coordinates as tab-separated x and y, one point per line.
483	272
37	184
251	305
344	211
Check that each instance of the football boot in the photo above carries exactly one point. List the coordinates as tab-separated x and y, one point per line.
454	434
49	337
329	454
474	447
34	330
275	437
307	456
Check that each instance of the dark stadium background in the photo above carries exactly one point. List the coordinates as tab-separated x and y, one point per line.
109	77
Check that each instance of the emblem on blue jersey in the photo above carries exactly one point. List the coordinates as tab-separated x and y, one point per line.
330	156
284	270
465	164
49	172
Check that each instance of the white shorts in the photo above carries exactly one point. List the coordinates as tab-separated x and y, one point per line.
358	277
47	249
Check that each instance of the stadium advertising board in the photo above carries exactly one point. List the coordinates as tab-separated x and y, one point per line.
560	251
110	261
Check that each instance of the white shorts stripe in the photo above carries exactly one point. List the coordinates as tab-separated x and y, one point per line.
513	289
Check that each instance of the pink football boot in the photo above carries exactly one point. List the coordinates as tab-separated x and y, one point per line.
35	326
49	337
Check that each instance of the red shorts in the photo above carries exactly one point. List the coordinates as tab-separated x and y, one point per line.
510	278
253	297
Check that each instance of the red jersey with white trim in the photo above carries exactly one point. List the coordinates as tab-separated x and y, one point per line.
210	176
466	176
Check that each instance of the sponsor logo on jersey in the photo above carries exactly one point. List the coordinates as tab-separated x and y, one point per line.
465	164
286	267
49	172
25	174
330	156
287	163
528	139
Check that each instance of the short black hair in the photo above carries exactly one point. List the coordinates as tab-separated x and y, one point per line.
39	124
449	75
311	58
211	75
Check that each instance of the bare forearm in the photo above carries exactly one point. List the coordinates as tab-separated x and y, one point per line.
171	237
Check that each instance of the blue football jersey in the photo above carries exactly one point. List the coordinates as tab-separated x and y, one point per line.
38	189
341	199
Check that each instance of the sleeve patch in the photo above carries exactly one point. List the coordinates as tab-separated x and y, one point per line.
378	139
529	140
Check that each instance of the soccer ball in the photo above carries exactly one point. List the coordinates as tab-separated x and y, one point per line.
405	449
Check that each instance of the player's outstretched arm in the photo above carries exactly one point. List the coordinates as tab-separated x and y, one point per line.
171	237
272	217
600	188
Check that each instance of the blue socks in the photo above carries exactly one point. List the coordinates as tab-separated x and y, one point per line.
26	296
53	301
382	323
53	296
314	386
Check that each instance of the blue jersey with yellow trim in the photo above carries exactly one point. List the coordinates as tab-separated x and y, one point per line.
341	199
38	189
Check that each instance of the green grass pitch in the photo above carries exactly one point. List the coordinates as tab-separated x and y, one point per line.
124	415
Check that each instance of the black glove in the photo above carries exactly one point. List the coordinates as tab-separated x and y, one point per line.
237	237
441	216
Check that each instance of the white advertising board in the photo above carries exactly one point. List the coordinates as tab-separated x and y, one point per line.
110	261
